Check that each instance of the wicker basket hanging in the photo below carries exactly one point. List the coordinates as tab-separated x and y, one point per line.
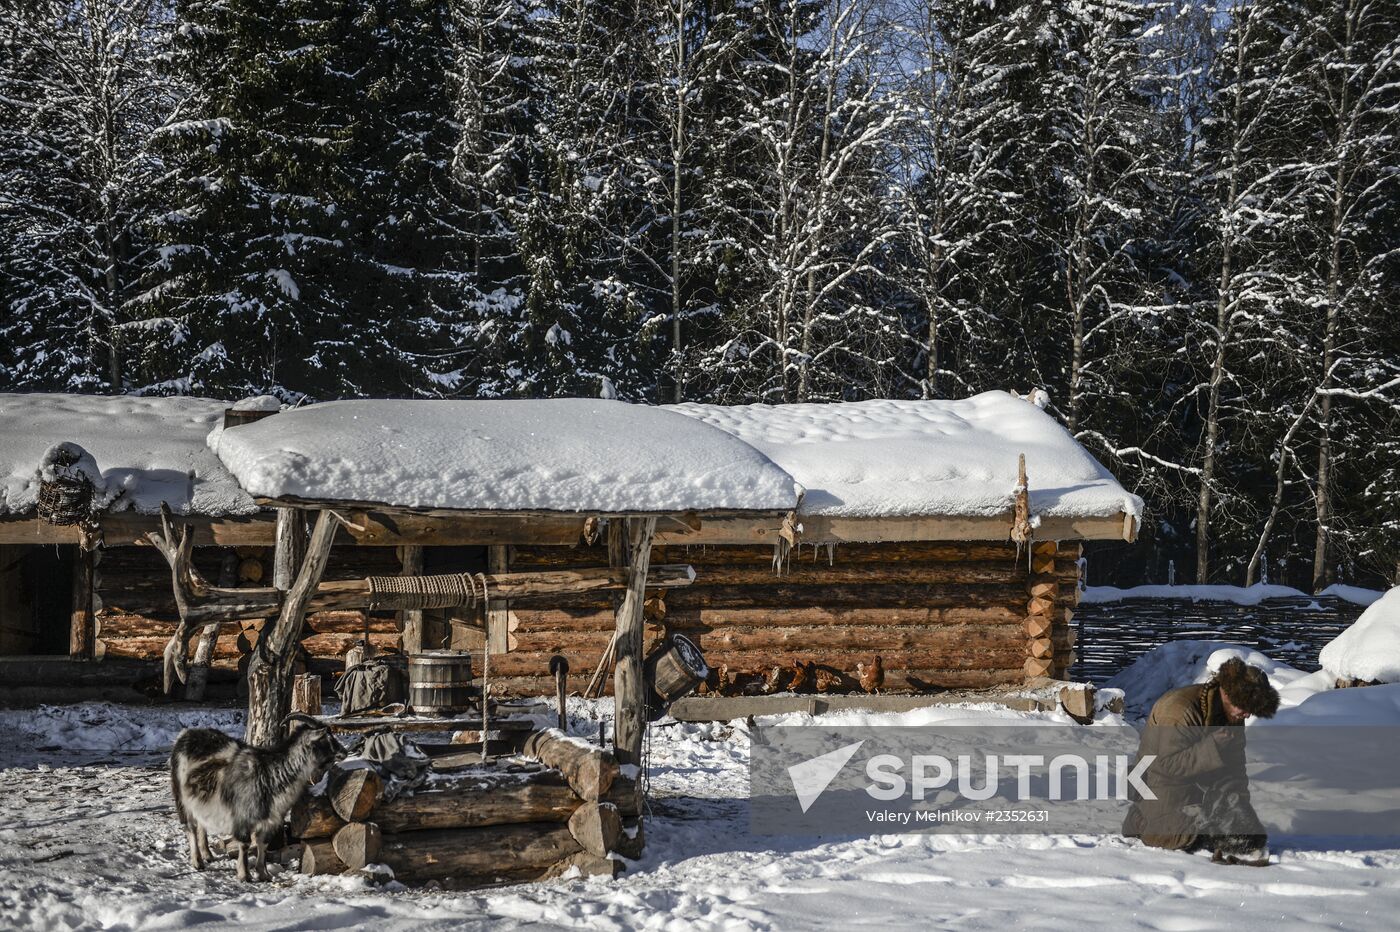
65	495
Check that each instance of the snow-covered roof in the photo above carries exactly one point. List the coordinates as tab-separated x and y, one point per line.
148	450
556	455
925	458
1370	648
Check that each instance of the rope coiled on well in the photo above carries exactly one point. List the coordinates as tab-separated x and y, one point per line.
410	592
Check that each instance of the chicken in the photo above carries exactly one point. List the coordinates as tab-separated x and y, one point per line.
801	675
777	678
871	677
826	679
723	681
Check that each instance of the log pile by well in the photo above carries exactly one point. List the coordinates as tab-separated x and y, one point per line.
558	806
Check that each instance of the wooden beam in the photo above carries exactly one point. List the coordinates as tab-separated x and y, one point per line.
124	529
497	610
629	688
821	529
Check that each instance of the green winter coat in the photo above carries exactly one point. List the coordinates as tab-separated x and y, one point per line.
1191	761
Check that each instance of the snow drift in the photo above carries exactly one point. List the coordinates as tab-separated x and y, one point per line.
1370	648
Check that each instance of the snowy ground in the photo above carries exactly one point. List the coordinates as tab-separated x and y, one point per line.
87	840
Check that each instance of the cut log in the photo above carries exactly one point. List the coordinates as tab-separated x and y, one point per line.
313	817
1040	605
1078	702
596	827
543	796
1038	626
590	770
357	844
319	857
1038	667
355	793
1041	647
478	855
629	686
306	694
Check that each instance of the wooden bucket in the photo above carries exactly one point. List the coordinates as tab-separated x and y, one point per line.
440	681
676	669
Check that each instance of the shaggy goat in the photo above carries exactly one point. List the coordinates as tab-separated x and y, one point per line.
224	786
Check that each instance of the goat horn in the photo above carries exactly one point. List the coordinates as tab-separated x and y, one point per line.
303	717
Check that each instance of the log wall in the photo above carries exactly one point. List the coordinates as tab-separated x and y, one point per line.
944	615
940	615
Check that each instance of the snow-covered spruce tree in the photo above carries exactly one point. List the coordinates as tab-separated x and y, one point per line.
580	225
958	198
498	107
819	124
695	48
80	99
306	249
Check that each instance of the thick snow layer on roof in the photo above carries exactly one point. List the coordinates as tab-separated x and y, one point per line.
149	450
909	458
567	454
1370	648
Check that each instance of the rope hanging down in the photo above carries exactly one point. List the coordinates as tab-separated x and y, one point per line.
412	592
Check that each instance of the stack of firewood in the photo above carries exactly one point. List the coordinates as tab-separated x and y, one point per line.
563	807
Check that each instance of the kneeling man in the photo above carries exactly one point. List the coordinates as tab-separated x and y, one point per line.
1197	736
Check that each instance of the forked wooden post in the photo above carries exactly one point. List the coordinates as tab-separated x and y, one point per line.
270	670
629	689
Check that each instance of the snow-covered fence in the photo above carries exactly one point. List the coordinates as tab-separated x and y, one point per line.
1291	629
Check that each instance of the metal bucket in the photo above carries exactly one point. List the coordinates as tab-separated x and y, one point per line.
440	682
676	669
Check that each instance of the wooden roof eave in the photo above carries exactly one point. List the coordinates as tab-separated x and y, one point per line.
403	526
821	529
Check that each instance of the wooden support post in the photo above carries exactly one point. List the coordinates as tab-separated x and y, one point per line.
81	631
290	547
629	687
411	619
270	669
497	610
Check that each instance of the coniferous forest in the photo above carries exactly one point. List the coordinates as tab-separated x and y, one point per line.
1177	217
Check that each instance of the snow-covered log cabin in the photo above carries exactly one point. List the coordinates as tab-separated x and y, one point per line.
902	513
